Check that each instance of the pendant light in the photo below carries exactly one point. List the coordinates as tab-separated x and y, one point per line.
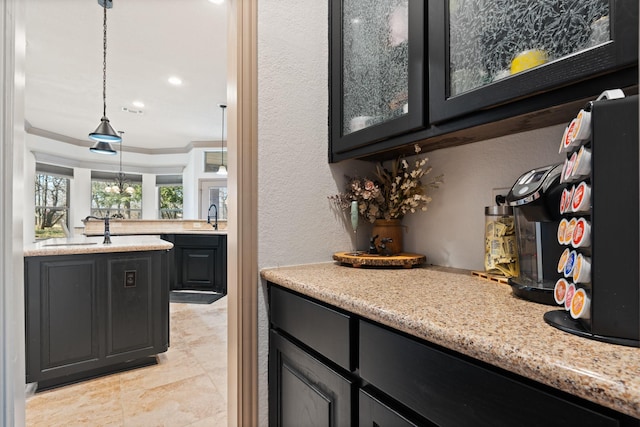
104	132
121	184
102	147
222	170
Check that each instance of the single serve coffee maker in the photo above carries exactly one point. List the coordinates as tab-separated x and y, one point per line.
535	197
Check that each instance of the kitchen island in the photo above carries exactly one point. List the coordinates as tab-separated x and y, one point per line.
198	260
93	308
447	312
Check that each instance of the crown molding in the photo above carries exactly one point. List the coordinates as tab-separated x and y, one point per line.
101	166
150	151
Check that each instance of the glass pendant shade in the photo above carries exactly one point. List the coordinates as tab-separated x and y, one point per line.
222	170
104	132
102	147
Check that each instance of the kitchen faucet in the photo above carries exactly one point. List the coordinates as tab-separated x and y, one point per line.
215	225
107	233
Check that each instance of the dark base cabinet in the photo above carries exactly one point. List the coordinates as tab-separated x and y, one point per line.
309	392
397	380
198	262
90	314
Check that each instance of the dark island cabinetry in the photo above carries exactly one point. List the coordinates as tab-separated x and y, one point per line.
198	262
330	367
90	314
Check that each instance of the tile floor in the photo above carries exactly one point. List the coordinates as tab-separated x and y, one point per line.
188	386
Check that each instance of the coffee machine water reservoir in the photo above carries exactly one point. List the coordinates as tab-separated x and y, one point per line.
535	197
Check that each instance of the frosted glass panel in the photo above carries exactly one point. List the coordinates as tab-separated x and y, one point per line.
375	61
491	40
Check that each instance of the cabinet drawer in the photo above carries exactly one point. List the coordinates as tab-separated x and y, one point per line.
325	330
450	391
191	240
372	412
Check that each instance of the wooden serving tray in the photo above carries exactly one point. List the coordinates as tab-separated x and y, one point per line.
405	260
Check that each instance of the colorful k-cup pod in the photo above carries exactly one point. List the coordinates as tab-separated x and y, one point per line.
564	143
580	305
566	195
560	291
569	141
582	130
582	269
571	290
581	200
570	264
567	201
581	237
562	231
568	235
563	260
582	165
568	168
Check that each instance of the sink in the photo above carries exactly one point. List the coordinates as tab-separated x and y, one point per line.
71	244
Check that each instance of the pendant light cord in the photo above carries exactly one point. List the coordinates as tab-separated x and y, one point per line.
222	135
120	173
104	61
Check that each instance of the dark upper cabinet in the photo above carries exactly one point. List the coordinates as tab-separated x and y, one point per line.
474	69
377	70
483	54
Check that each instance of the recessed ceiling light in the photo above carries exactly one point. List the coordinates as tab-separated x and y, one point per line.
216	1
138	104
176	81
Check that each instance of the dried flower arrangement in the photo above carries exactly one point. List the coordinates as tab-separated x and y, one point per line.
393	193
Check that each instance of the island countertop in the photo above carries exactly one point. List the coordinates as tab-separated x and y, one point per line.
87	245
121	227
480	319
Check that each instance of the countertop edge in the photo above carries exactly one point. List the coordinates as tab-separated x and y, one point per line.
94	245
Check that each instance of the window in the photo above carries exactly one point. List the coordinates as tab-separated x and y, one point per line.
218	197
52	201
213	192
116	198
213	160
169	196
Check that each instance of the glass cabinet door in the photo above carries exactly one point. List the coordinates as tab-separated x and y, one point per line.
377	57
491	51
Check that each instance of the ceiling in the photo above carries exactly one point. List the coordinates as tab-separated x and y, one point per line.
148	41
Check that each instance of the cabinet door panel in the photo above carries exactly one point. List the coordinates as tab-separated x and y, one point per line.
484	54
303	391
198	267
129	305
199	263
377	70
69	321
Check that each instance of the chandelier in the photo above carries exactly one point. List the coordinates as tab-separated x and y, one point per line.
120	185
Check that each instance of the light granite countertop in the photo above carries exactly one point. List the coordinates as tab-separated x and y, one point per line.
88	245
478	318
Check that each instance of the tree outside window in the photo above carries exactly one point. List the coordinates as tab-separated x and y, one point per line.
170	201
116	204
52	206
